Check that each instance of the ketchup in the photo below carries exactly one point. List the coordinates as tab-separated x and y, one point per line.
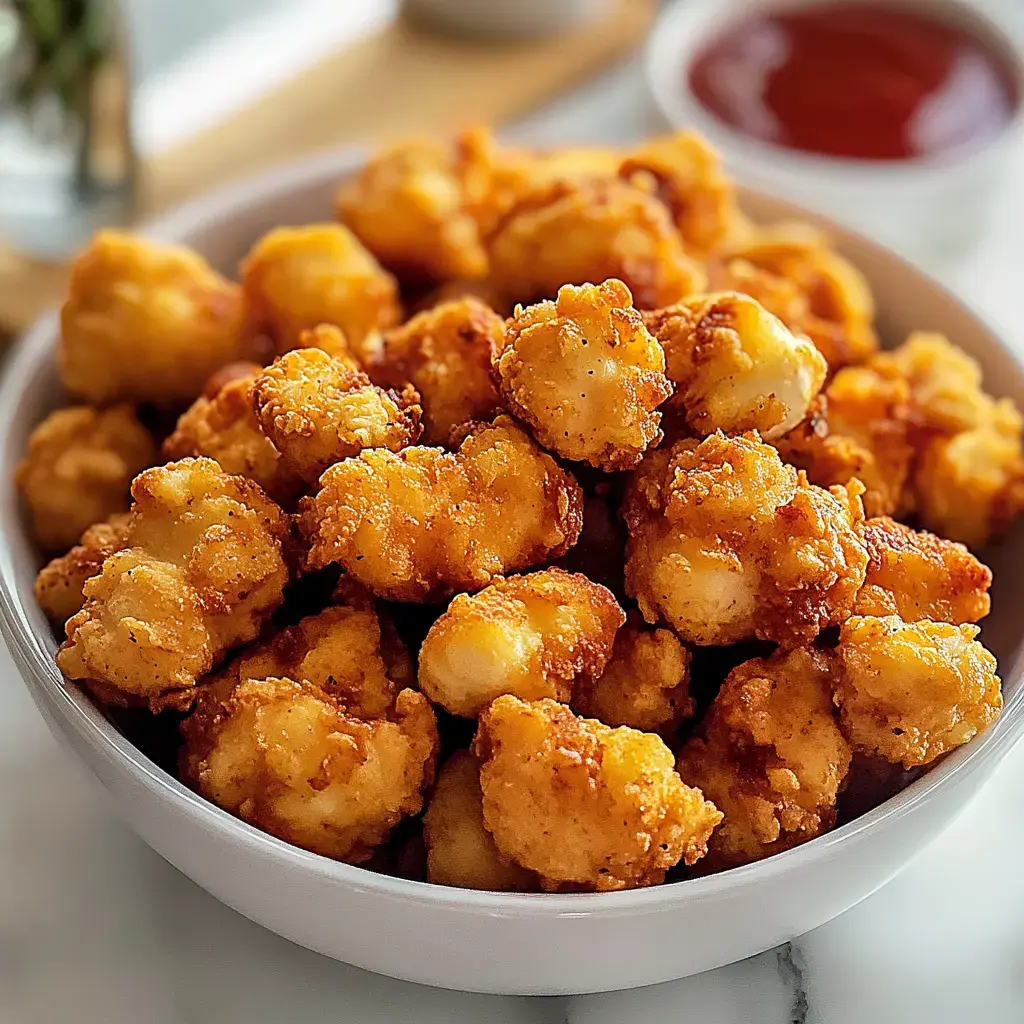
857	80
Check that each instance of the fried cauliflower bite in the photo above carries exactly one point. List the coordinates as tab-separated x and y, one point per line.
916	575
735	366
58	589
297	278
445	354
911	691
580	232
424	523
770	756
78	469
727	543
146	322
222	425
645	685
201	569
409	206
583	805
290	759
688	178
586	375
317	411
460	850
532	636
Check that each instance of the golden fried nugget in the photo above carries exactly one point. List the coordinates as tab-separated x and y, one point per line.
688	178
58	589
288	758
735	366
146	322
318	411
580	232
202	567
532	636
583	805
425	523
330	339
445	354
409	206
223	426
460	850
78	469
916	575
771	757
645	685
911	691
351	653
727	543
297	278
586	375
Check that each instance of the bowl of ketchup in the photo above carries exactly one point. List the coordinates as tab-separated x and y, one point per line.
897	117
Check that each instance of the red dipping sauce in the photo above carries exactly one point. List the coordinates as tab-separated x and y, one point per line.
861	80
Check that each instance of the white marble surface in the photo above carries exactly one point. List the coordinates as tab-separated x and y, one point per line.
97	929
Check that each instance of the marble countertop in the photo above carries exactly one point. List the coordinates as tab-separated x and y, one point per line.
96	928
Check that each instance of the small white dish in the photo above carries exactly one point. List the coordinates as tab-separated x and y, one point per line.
477	941
928	209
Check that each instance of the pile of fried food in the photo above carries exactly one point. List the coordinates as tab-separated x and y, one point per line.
538	525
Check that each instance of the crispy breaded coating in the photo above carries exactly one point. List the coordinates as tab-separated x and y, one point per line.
584	805
409	206
687	176
771	757
146	322
317	411
351	653
445	354
911	691
58	589
580	232
735	366
460	850
332	340
297	278
288	758
202	567
916	575
78	469
532	636
586	375
223	427
726	543
424	523
645	685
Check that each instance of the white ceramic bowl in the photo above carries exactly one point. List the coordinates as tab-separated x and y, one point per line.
531	944
929	209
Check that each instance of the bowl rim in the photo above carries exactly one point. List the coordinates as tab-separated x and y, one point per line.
685	25
31	647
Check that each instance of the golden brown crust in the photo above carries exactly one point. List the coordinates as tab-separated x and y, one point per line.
288	758
445	354
202	567
586	375
916	575
911	691
317	411
770	756
146	322
583	805
532	636
297	278
78	469
423	523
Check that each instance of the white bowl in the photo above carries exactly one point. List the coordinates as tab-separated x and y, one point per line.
930	209
487	942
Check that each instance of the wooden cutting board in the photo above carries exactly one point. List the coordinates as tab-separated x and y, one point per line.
401	81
